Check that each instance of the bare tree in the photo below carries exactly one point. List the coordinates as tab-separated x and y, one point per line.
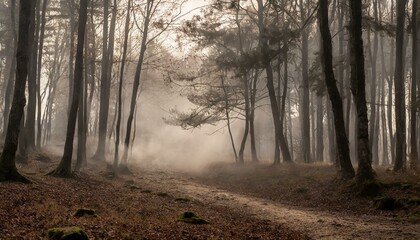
64	169
364	172
347	170
400	115
8	170
105	88
120	87
415	18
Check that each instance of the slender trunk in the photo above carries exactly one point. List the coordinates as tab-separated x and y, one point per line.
31	109
390	89
347	170
364	172
40	52
105	90
291	144
227	110
136	85
246	130
120	87
413	124
282	139
64	169
252	116
373	142
399	83
320	130
306	131
71	56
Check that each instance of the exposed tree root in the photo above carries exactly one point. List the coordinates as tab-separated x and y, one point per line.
13	176
61	172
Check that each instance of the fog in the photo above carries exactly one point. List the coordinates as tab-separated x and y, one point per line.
210	81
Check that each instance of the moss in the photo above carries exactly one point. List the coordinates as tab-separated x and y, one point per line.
182	200
162	194
81	212
68	233
190	217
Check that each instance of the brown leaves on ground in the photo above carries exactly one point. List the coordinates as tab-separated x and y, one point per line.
122	211
311	186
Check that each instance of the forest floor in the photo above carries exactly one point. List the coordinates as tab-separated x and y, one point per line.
253	201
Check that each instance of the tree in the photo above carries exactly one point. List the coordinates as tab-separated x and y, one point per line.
347	170
10	77
151	10
105	88
415	18
399	83
7	160
306	132
120	87
364	172
64	169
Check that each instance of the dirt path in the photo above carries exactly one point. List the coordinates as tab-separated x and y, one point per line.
319	225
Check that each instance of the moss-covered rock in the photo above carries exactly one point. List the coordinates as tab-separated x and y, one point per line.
190	217
67	233
162	194
184	200
81	212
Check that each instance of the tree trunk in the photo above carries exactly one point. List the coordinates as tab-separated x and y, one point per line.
105	90
373	142
40	52
64	169
364	172
347	170
414	97
263	43
246	130
136	85
306	131
120	87
282	139
11	71
227	110
390	91
320	129
399	83
252	116
8	170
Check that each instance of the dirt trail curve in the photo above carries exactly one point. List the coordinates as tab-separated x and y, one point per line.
319	225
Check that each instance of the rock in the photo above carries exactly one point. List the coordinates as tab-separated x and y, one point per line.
67	233
184	200
81	212
190	217
162	194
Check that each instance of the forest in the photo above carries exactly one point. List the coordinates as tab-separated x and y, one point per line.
209	119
